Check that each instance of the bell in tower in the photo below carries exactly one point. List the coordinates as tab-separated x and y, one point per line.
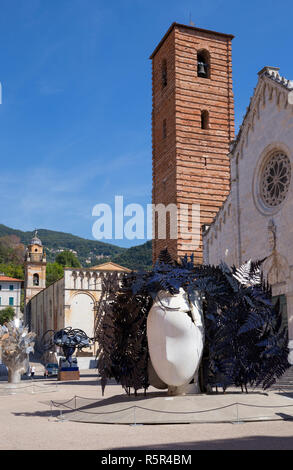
202	69
202	64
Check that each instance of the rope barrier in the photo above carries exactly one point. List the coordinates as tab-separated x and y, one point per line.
32	386
105	412
56	404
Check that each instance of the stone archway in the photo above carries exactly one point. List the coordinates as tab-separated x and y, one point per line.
82	313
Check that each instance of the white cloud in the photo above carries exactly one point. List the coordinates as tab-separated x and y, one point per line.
51	197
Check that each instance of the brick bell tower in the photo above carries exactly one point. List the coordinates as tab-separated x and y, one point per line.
192	127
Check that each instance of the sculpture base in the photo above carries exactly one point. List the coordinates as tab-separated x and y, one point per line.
65	375
188	389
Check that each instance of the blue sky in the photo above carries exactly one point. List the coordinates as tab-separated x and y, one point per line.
75	118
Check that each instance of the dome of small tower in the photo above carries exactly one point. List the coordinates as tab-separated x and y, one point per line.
35	240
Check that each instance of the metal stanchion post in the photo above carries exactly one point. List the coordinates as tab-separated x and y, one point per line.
134	418
237	416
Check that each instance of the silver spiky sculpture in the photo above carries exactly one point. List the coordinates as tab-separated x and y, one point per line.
16	344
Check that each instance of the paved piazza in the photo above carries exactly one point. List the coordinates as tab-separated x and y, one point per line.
27	422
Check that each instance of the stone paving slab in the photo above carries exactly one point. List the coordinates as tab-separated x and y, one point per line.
29	423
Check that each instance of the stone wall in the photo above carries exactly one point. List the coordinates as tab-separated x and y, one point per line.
47	309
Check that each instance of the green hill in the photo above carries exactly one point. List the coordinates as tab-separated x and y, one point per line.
136	257
89	252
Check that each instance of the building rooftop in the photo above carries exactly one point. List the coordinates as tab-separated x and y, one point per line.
110	266
193	28
7	278
271	73
35	240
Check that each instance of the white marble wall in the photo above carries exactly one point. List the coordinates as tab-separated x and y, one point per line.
242	230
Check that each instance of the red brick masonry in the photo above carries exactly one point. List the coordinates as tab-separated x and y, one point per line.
191	164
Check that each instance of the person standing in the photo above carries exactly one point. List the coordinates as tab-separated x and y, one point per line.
33	369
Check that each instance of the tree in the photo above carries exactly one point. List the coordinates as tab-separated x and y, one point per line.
11	250
67	259
12	270
6	315
54	271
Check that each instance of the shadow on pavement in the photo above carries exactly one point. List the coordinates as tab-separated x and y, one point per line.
285	394
242	443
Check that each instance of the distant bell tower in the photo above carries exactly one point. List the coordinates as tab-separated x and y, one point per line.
35	270
192	127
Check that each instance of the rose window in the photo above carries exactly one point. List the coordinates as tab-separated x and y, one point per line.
275	180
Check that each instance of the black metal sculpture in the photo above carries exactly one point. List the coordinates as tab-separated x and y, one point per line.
245	340
68	339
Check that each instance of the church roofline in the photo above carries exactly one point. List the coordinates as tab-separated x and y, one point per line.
207	228
193	28
268	68
103	267
43	289
272	74
266	73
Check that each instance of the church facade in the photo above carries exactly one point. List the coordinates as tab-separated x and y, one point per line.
255	222
244	185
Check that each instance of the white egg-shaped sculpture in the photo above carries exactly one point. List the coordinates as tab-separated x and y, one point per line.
175	335
153	377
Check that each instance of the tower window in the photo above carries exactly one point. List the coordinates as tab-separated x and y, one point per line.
164	74
164	129
36	280
204	119
11	301
203	64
